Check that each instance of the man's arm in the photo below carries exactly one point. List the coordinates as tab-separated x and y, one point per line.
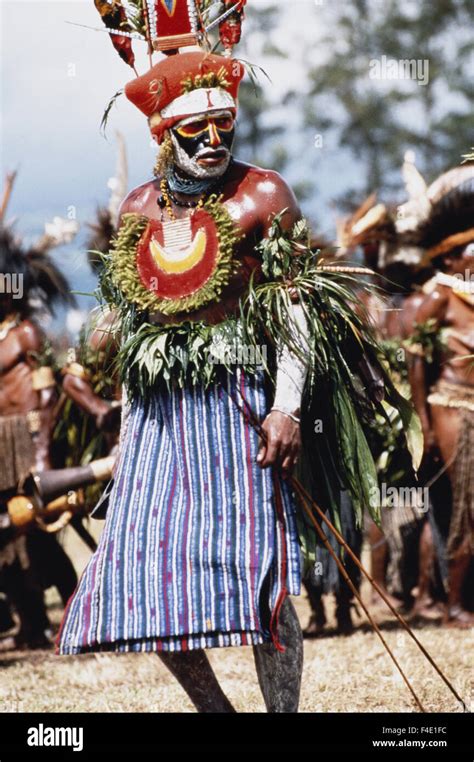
76	384
274	195
433	307
32	341
79	390
136	201
281	426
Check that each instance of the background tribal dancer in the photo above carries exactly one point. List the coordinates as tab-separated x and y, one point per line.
29	563
443	391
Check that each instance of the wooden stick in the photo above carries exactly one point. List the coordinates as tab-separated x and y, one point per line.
297	484
356	593
7	192
309	499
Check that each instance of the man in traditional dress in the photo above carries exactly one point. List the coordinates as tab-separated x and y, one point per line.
28	563
221	546
391	242
447	408
200	546
391	309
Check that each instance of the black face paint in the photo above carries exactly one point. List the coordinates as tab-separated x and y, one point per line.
202	141
202	146
193	146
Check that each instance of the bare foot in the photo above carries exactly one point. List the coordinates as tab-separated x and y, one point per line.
377	601
427	608
8	644
459	618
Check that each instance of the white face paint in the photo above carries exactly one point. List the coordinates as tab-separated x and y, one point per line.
190	164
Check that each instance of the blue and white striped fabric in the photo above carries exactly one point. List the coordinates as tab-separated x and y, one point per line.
193	530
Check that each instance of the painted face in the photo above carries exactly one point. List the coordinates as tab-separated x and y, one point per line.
465	261
202	144
460	262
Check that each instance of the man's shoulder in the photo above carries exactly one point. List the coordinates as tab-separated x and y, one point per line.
263	179
440	294
434	303
270	193
29	335
137	197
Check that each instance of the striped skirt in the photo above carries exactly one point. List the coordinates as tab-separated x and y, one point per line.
199	546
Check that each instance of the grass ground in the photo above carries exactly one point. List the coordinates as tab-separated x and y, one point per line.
341	674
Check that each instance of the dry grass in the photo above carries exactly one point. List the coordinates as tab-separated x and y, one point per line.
340	674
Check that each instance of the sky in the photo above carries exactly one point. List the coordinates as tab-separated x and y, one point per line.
56	79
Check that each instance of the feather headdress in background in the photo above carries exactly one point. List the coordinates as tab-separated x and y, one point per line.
43	284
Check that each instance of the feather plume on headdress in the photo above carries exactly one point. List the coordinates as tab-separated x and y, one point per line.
172	27
42	281
450	225
116	21
417	208
370	224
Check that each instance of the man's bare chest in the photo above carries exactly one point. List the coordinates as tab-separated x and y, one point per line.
460	325
11	353
242	208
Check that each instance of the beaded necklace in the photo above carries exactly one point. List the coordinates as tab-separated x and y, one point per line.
167	197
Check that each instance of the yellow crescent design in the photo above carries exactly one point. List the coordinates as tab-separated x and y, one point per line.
181	260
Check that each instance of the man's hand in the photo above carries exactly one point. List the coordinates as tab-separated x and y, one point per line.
108	416
283	442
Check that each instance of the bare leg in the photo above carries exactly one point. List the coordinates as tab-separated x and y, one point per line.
379	552
379	561
279	673
424	604
447	426
456	615
195	675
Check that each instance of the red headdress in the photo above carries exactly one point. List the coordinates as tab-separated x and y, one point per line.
182	84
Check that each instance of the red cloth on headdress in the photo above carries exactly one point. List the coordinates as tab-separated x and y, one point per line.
163	83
